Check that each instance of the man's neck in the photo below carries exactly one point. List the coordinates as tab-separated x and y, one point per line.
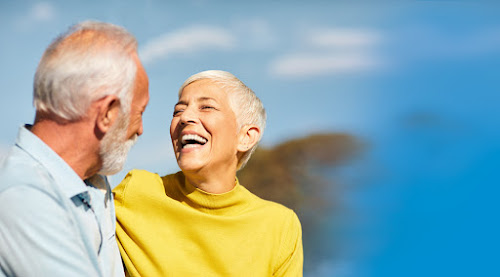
73	142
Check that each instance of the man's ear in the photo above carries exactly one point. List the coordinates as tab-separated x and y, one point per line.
249	136
108	110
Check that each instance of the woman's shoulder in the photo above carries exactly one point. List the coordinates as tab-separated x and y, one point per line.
141	173
139	176
274	209
137	181
174	177
279	220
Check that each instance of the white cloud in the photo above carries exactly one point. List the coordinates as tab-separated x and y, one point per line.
42	11
189	40
341	38
38	13
255	34
430	44
484	41
305	65
331	51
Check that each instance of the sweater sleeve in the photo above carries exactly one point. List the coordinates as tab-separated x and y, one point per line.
292	256
119	190
122	219
132	206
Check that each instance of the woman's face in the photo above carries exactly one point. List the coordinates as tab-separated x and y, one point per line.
204	128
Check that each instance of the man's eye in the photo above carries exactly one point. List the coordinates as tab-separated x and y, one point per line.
176	112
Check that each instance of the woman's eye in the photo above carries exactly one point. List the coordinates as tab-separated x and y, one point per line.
207	107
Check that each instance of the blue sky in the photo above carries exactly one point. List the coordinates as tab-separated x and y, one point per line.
417	81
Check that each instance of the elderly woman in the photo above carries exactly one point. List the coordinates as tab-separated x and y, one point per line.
201	221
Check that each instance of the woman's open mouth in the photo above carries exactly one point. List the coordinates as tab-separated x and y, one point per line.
192	140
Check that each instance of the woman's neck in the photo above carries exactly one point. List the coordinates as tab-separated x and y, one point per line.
212	182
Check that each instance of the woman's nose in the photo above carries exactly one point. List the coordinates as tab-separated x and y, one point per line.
188	116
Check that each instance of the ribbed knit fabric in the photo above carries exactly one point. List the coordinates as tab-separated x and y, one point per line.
166	227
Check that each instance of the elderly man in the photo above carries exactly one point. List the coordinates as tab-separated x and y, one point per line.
56	207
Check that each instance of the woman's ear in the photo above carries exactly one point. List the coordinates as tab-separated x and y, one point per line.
108	110
248	137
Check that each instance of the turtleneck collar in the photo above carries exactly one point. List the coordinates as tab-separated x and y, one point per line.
232	202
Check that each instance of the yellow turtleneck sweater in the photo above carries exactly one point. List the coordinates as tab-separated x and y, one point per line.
167	227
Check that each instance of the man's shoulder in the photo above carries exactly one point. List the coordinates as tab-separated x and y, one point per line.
26	187
20	169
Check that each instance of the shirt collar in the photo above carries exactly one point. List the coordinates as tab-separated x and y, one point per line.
65	177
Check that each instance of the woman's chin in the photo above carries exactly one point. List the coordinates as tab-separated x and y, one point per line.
189	166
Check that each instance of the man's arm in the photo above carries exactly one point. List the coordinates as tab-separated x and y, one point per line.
38	236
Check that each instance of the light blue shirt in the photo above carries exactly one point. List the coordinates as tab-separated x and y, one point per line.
51	222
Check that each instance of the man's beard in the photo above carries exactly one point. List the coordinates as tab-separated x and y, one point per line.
114	148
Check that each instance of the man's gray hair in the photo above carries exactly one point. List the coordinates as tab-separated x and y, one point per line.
89	61
245	104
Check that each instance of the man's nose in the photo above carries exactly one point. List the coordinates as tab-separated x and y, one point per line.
140	130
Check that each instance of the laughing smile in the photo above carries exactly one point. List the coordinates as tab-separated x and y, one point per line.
192	140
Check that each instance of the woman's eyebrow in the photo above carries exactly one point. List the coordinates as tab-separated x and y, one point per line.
203	98
206	98
181	102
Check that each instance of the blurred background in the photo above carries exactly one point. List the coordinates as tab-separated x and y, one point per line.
382	131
